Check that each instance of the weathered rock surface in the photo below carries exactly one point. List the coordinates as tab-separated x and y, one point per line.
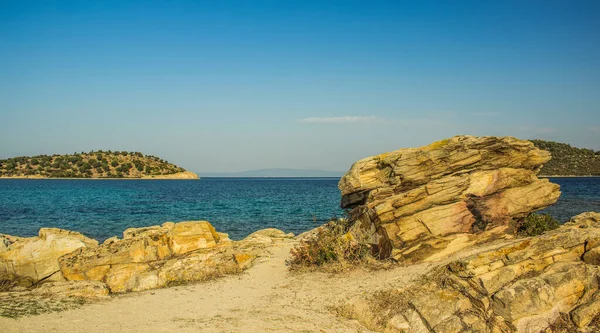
526	286
35	259
255	244
430	201
146	258
153	257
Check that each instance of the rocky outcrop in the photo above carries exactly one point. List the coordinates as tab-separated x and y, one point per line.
423	203
153	257
145	258
543	284
35	259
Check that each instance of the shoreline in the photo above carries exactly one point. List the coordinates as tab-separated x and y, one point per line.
63	178
570	176
185	175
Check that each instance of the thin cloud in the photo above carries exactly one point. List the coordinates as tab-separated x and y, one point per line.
594	128
347	119
485	114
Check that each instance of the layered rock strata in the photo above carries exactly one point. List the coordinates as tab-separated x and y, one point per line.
542	284
418	202
145	258
153	257
35	259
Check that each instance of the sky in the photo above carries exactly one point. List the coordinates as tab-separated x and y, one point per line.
225	86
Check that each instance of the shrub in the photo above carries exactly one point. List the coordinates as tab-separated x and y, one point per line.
333	247
536	224
7	282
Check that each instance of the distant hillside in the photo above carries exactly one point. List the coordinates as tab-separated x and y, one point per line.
568	160
275	173
95	164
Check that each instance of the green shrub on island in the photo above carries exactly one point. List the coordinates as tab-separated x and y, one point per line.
569	161
95	164
536	224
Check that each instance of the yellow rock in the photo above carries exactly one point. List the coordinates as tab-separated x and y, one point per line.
155	256
523	286
37	257
461	185
189	236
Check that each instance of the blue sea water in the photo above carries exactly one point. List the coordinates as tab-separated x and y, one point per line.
238	206
105	208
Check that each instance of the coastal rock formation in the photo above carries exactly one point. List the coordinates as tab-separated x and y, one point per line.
153	257
146	258
543	284
35	259
423	203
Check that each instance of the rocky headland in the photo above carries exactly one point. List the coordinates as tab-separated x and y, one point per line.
445	216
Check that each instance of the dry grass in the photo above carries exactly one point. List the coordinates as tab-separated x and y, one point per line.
334	248
7	282
15	305
218	272
20	304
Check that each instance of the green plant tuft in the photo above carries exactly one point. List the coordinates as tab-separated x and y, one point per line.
334	247
536	224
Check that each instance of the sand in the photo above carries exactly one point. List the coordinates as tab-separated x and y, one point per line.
265	298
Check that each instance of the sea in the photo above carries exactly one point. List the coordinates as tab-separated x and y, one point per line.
238	206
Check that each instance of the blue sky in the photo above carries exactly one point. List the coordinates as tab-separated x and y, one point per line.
238	85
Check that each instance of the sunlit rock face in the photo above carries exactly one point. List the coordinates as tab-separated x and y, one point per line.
547	283
427	202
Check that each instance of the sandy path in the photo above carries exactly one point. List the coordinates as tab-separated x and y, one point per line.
265	298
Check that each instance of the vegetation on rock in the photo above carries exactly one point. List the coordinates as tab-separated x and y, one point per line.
569	161
547	283
334	247
417	202
94	164
536	224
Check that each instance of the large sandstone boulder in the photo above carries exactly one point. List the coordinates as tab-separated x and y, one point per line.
145	258
35	259
529	285
422	202
153	257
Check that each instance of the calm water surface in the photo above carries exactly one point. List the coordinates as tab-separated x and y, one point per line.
238	206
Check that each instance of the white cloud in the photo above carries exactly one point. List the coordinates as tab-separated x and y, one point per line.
347	119
485	114
594	128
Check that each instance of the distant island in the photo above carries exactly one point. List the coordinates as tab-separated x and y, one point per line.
94	164
275	173
569	161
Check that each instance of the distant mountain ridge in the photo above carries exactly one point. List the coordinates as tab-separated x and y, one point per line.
568	160
278	172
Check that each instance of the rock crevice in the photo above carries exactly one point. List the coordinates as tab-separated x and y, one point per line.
541	284
145	258
422	199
